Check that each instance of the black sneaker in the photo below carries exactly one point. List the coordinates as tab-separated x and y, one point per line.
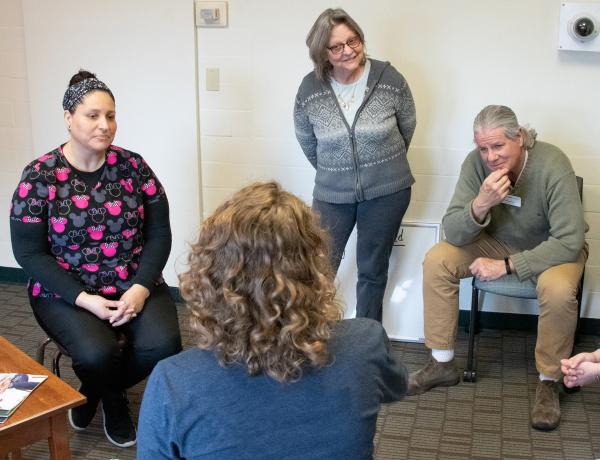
118	427
81	416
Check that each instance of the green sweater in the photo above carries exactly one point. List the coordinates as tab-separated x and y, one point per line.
548	229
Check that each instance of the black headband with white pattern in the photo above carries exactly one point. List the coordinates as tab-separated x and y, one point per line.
75	93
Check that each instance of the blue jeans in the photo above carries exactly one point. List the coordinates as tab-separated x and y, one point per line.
377	224
98	360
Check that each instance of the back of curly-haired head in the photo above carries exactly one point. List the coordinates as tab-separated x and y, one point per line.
260	286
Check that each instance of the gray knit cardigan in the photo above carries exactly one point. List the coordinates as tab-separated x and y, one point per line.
368	159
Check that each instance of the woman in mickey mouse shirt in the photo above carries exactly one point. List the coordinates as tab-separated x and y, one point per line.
90	226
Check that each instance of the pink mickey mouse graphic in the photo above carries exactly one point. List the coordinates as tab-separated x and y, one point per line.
113	207
106	290
62	173
149	187
58	224
111	158
127	184
140	210
37	288
24	188
81	201
62	263
109	249
127	233
133	163
137	249
45	157
90	267
96	231
122	271
51	192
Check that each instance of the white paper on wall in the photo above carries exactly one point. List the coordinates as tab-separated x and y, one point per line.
403	301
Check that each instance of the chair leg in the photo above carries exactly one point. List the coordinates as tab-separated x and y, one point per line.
470	375
579	302
41	350
55	363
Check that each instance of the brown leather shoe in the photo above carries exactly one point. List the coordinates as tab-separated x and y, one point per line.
546	410
433	374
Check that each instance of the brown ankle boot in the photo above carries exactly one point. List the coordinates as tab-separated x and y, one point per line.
433	374
546	410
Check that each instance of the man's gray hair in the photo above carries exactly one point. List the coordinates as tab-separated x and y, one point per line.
500	116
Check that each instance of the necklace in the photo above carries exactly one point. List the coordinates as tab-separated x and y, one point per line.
67	152
346	95
523	168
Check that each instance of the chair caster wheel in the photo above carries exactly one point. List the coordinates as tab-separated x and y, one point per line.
469	376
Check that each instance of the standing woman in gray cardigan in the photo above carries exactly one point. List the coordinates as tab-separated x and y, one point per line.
354	119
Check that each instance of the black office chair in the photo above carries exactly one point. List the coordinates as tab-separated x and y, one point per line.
508	286
41	351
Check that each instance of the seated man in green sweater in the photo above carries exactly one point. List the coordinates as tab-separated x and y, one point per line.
516	209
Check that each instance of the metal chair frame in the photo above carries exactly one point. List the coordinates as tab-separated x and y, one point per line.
41	351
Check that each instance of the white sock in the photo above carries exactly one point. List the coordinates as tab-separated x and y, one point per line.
442	356
546	377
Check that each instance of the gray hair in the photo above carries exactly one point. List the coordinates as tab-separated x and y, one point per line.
319	34
500	116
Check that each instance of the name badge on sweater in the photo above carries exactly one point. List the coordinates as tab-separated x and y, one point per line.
512	200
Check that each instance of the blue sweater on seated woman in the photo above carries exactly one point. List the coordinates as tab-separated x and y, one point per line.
195	408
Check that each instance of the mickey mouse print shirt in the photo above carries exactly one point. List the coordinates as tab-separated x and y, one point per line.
98	231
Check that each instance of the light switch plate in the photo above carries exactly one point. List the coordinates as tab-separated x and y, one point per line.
212	79
211	14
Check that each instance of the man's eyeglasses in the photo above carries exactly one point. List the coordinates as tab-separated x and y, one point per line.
353	43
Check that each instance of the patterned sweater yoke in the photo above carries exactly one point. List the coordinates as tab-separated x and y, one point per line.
367	159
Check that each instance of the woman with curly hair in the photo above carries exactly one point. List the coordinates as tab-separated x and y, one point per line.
276	373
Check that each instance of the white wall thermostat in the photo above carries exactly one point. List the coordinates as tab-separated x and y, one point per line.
211	14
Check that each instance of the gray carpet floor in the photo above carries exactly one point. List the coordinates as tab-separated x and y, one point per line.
488	419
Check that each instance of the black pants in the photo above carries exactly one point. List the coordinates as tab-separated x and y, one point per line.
377	222
98	360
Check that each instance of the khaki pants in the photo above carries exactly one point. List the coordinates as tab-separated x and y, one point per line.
445	265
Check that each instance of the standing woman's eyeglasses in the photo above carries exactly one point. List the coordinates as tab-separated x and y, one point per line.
353	43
